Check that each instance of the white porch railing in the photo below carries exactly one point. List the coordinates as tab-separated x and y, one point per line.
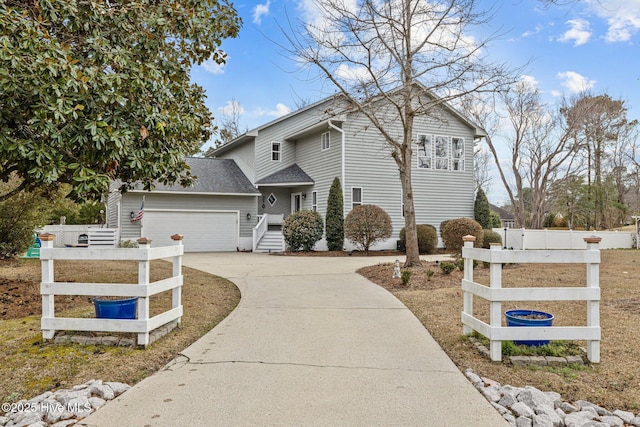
68	235
259	230
143	324
495	294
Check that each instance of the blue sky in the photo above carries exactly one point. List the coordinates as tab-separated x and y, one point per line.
571	47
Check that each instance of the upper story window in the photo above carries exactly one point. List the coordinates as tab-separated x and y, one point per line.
326	141
440	152
356	197
275	151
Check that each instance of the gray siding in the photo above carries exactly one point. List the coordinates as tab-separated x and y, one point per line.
131	203
438	195
113	202
245	158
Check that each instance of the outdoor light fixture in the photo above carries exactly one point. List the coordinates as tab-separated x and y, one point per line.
248	216
132	215
304	196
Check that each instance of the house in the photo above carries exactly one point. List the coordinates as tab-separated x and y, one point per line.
507	218
291	162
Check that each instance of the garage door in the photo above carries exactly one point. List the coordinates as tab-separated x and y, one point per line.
202	231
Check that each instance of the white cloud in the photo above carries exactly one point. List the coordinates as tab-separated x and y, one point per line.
529	81
259	11
622	16
212	67
352	73
580	32
534	32
279	111
574	82
231	107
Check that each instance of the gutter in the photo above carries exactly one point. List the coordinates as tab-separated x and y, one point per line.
342	179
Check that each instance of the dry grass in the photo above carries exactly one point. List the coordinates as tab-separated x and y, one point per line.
29	366
614	383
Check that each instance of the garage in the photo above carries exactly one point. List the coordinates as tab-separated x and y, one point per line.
203	231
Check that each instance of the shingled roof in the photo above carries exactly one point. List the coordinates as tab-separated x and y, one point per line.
292	175
216	176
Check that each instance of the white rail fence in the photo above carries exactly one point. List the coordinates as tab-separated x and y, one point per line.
496	294
143	290
521	238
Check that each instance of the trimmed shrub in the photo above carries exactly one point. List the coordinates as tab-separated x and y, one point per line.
334	218
366	225
481	210
427	238
456	229
302	229
490	236
447	267
496	222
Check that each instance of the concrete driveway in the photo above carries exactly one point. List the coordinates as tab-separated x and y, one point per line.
311	343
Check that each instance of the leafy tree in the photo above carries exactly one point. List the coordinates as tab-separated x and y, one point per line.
302	229
413	56
496	222
334	218
91	91
481	209
367	225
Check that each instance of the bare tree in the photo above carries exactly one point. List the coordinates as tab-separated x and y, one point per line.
537	148
230	127
482	160
393	61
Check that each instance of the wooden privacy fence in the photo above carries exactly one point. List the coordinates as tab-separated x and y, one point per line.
496	294
143	324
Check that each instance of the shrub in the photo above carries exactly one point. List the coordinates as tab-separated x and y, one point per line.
496	222
427	238
334	218
490	236
481	210
366	225
406	276
456	229
460	263
447	267
302	229
430	274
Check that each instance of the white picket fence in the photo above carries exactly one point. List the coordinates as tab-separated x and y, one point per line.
143	290
521	238
495	294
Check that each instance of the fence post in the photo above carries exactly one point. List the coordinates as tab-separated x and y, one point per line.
143	279
593	307
48	307
176	295
468	275
495	307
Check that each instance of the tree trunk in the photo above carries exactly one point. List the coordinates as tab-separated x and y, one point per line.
404	166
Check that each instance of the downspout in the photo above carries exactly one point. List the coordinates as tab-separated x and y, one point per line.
342	179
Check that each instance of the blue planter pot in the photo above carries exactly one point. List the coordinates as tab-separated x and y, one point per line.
116	309
518	318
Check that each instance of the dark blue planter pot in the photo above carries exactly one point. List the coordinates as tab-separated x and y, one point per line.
116	309
518	318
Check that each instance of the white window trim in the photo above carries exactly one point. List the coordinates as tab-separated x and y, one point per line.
361	202
434	160
279	151
314	201
322	141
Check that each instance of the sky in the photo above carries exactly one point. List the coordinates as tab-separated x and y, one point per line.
569	47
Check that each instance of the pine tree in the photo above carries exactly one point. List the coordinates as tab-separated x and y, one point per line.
481	210
335	217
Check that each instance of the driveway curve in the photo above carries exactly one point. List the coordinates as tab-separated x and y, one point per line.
311	343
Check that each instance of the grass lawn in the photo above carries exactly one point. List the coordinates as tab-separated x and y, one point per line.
29	366
614	383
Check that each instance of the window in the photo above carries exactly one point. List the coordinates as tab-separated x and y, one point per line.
326	141
356	197
275	151
272	199
314	201
424	151
440	152
457	154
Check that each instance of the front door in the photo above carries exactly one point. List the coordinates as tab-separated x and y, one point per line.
296	202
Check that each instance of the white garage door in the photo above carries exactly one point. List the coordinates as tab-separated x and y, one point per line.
202	231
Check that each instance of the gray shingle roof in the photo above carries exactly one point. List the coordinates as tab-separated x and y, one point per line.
290	175
214	176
